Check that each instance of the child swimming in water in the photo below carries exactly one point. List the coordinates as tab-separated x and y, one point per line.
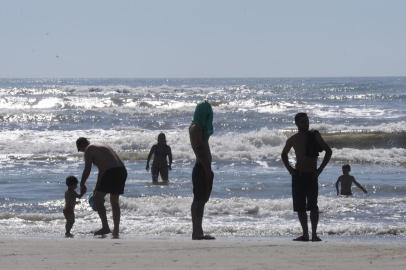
346	182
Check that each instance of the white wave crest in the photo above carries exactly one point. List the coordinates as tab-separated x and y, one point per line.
163	216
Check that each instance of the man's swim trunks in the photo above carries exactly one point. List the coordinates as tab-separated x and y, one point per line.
112	181
201	186
305	190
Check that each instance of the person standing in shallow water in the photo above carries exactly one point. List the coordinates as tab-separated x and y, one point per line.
160	164
346	181
111	179
307	145
202	176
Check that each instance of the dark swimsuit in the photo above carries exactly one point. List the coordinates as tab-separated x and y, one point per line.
112	181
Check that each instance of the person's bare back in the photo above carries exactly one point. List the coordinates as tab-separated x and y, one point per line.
346	183
103	157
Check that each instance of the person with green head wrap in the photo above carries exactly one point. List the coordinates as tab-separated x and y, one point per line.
202	177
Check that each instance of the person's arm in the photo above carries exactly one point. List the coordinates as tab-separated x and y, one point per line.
285	158
359	185
86	172
338	181
149	156
327	155
78	195
170	157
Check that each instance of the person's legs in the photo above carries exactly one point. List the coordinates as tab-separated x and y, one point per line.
302	215
299	204
101	210
197	207
115	207
154	173
68	226
197	210
312	196
164	173
70	220
314	219
201	191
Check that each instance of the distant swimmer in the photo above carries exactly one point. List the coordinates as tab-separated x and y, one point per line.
111	179
346	181
307	145
70	202
162	153
202	176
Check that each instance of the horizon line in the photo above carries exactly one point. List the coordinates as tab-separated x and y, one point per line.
205	77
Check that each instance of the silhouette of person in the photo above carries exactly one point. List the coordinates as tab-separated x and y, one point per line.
111	179
70	202
200	131
307	145
160	164
346	182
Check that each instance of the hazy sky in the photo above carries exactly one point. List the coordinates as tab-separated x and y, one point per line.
207	38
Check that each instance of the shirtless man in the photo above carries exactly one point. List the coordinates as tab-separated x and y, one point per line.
346	182
111	179
202	177
307	144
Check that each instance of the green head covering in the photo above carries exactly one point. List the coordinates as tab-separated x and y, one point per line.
203	117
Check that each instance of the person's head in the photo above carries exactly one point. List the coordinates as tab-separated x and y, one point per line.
72	182
302	121
203	117
81	144
161	138
346	169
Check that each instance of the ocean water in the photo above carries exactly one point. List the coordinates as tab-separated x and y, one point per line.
363	119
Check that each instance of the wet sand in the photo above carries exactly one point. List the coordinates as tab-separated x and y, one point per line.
174	253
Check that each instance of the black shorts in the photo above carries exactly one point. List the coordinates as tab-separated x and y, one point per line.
305	190
201	185
112	181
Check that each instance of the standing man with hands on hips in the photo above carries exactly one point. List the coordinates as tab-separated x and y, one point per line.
307	145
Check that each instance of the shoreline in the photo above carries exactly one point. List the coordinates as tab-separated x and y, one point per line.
380	239
179	253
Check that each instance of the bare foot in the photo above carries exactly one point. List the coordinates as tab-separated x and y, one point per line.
204	237
303	238
315	238
102	231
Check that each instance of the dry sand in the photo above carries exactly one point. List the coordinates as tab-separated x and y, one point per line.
174	253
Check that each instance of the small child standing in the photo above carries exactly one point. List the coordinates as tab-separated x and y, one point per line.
346	182
70	202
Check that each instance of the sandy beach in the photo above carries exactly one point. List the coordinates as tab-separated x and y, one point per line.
185	254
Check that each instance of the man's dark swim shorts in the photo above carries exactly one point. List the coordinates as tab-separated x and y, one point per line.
201	186
113	181
305	190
